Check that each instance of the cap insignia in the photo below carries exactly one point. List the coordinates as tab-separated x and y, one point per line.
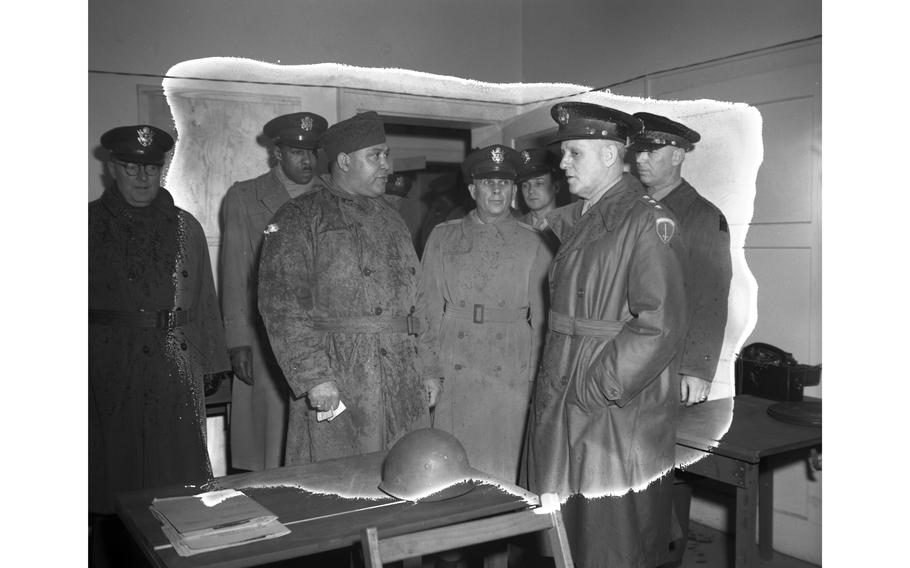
589	130
145	136
562	115
525	156
497	155
306	123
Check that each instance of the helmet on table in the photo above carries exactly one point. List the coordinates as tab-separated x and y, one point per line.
427	465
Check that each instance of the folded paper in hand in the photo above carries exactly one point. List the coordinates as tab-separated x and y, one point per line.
330	414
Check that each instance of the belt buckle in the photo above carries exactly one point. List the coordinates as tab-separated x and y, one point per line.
478	313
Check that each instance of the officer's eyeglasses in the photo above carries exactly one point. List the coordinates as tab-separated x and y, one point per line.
132	169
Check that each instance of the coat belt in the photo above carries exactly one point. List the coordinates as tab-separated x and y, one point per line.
164	319
479	313
367	324
568	325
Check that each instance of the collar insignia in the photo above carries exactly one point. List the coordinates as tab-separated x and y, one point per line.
145	136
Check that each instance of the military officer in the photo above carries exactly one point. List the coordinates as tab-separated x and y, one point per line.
259	398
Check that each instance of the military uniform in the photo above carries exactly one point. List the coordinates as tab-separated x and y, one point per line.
604	410
337	282
481	294
704	229
154	332
258	411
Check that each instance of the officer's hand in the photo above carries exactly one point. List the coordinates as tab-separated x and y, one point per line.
693	390
324	396
242	364
434	390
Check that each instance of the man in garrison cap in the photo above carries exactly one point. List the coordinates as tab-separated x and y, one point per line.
259	398
603	419
481	296
337	288
660	150
155	333
538	179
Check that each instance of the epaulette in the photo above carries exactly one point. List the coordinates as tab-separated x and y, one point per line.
449	222
664	224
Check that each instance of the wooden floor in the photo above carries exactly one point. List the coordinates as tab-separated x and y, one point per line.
709	548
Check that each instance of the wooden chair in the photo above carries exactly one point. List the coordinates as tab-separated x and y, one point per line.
377	550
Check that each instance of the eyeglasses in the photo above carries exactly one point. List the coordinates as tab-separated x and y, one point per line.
132	169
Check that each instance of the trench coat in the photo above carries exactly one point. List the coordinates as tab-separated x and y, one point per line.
704	230
146	397
259	412
603	418
335	269
487	365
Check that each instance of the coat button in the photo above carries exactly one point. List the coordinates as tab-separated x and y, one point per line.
413	271
145	349
131	275
185	273
499	336
460	335
183	346
461	304
457	366
581	292
383	352
378	311
367	272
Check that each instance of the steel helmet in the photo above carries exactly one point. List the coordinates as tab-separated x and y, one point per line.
427	465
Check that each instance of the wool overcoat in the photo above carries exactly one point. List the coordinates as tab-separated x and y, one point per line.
146	397
259	411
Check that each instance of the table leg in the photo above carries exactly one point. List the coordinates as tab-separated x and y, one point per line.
766	511
746	501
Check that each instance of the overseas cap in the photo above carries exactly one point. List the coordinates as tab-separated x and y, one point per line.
578	121
496	161
360	131
139	144
661	131
537	162
299	129
398	184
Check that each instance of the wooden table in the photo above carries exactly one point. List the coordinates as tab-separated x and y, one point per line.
322	522
736	458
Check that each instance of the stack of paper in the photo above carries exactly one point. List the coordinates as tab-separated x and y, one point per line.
214	520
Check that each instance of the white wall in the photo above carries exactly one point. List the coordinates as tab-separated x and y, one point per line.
472	39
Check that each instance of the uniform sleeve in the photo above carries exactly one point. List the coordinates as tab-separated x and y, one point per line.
285	294
709	288
430	306
538	296
656	299
236	267
210	339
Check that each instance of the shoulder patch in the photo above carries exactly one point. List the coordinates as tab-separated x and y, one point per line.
665	226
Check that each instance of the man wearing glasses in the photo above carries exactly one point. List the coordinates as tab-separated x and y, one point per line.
155	332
